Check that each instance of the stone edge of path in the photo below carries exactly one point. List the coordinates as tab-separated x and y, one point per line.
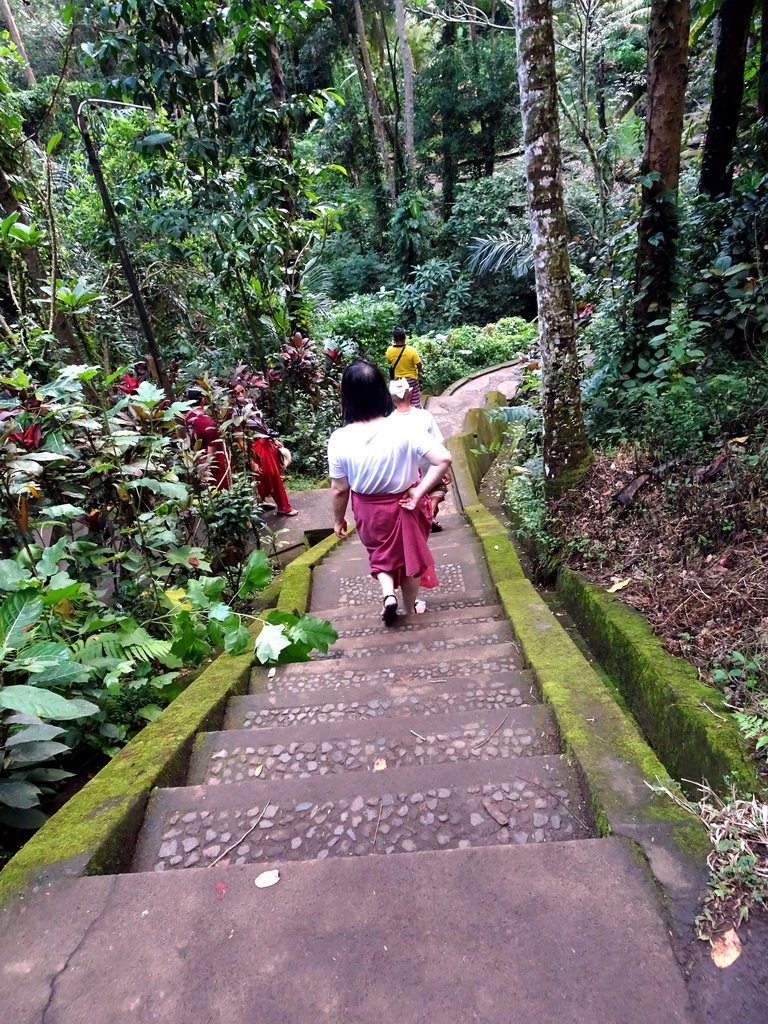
95	831
617	765
459	384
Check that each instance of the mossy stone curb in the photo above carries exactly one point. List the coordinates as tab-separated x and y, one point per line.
618	766
663	692
95	831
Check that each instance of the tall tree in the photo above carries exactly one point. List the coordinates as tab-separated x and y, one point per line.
18	42
407	60
659	221
566	450
733	21
372	98
762	88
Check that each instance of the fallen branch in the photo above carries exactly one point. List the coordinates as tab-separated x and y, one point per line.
243	837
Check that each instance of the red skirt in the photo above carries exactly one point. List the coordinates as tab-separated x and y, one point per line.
395	537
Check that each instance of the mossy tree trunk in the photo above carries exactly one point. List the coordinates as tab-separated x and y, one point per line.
373	101
658	228
13	32
405	55
566	451
733	21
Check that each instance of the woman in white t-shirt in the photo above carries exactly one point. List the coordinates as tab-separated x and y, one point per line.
375	457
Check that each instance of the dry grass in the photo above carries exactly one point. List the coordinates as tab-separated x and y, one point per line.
696	554
738	830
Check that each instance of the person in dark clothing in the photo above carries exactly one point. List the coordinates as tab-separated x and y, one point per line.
202	430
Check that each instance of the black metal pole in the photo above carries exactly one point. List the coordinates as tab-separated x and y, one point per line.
125	259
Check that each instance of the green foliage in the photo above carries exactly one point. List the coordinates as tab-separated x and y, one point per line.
361	324
459	352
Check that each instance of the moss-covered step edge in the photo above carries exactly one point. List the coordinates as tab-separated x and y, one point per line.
95	831
617	765
686	722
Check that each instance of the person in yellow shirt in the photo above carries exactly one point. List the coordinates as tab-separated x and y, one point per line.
404	361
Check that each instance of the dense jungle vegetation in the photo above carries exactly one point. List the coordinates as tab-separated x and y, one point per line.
250	196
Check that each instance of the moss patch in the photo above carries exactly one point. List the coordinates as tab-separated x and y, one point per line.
663	692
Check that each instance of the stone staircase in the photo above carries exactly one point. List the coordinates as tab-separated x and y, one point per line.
428	735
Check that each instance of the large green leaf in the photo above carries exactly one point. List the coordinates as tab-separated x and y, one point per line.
256	574
237	640
18	613
34	700
34	753
22	817
12	576
41	655
34	733
49	561
15	793
270	642
316	632
169	489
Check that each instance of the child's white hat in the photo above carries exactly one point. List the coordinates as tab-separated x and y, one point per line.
399	387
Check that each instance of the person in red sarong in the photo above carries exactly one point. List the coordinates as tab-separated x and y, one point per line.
202	429
268	461
375	458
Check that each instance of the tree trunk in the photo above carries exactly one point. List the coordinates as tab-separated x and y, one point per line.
18	42
405	56
566	450
374	102
450	166
762	89
658	227
38	275
733	23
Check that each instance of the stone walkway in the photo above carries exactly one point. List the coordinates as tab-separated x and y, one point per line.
437	859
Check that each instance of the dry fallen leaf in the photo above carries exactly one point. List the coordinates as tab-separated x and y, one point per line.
619	586
380	764
739	440
726	949
258	771
267	878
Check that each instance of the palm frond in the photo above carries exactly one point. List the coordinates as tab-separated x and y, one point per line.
504	252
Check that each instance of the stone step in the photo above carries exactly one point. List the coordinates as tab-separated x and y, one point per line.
303	750
345	675
438	605
399	810
348	583
369	623
266	710
440	637
571	933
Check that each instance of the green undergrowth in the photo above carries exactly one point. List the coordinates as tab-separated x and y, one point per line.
94	832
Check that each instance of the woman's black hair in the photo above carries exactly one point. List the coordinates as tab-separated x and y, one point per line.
364	393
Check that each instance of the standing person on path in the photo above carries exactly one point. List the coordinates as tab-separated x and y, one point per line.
201	428
375	456
423	419
405	361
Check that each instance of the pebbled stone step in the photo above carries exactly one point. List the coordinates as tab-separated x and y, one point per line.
452	618
345	675
335	584
437	606
401	810
265	710
305	750
440	638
